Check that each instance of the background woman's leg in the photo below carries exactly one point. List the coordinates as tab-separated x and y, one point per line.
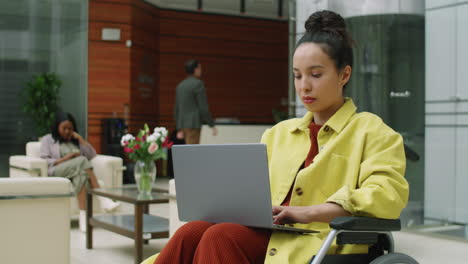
92	179
106	204
82	198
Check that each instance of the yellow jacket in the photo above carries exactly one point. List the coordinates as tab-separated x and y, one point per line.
360	165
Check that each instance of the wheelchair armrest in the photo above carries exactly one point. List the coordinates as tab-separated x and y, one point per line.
359	223
360	230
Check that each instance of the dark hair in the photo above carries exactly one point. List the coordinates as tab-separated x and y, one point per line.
328	29
190	66
59	118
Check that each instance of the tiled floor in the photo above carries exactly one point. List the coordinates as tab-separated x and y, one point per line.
108	248
432	249
113	248
117	249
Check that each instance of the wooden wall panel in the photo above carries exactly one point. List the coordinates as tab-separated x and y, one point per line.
188	26
249	97
220	48
219	19
108	65
144	94
145	77
244	63
110	11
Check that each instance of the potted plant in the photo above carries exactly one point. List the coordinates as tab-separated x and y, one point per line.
41	100
279	115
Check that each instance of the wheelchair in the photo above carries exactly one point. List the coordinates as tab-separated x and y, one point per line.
363	230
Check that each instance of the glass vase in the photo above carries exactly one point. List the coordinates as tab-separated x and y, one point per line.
145	175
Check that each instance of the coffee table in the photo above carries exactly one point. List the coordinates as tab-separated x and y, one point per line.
140	226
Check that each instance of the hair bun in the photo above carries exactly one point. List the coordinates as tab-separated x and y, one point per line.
325	21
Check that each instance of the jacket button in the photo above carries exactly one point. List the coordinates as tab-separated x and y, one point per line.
273	252
299	191
326	128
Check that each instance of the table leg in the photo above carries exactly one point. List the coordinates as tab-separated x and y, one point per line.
139	233
89	215
146	211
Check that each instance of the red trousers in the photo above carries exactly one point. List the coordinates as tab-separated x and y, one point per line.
205	243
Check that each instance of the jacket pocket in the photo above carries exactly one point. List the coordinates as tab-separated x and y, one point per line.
334	175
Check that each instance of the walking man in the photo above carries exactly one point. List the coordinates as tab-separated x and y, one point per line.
191	107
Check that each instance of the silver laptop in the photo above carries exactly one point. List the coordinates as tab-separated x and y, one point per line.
226	183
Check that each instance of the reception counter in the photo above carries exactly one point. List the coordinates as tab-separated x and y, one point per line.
233	133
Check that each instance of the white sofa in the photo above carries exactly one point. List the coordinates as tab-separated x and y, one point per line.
108	170
226	134
35	220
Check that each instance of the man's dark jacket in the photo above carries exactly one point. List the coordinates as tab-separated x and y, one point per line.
191	107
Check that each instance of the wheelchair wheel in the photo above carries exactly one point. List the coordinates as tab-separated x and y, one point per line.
394	258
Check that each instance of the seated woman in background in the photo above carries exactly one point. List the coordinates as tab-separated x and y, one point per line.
68	155
332	162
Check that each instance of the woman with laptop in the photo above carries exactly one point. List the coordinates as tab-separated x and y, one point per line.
332	162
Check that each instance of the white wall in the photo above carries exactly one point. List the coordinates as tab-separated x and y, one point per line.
350	8
304	8
69	59
446	166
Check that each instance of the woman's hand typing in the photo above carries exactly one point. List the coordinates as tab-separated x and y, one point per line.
307	214
291	214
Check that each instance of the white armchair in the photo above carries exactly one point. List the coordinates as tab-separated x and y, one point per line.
35	220
108	170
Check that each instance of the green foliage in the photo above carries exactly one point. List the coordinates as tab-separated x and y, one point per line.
41	100
279	116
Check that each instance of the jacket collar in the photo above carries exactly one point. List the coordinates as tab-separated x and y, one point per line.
337	122
191	76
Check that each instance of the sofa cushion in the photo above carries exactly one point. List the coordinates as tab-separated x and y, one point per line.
33	149
34	186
